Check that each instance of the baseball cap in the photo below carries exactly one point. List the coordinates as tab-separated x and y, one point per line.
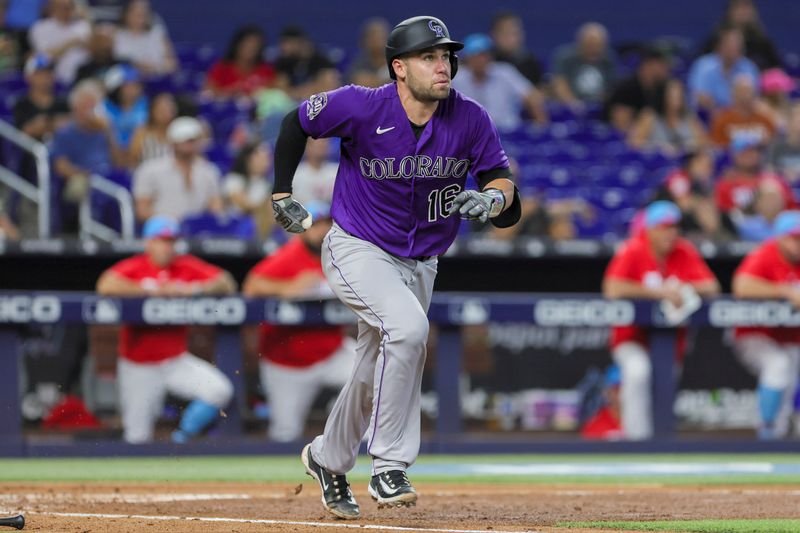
184	129
118	75
661	213
775	80
38	62
476	43
786	223
161	227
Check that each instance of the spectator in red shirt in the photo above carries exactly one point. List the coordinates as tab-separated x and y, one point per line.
736	189
690	187
154	360
298	361
773	354
656	264
243	71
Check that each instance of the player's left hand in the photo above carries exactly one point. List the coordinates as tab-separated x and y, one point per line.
475	205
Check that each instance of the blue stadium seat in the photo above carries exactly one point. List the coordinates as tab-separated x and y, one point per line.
220	155
210	225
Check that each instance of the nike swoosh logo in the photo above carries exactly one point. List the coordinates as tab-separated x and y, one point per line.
324	485
381	131
386	488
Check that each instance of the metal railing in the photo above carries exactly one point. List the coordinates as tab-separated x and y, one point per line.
39	193
94	228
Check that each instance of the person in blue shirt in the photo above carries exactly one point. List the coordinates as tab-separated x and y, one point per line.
82	147
125	105
711	76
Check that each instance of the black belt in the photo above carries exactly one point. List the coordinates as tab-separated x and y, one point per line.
423	257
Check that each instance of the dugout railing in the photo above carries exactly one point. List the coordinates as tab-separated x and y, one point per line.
449	311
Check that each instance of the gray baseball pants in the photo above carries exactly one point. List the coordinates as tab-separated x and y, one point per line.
390	295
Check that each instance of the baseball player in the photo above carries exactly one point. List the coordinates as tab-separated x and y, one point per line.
654	264
154	360
773	354
406	150
298	361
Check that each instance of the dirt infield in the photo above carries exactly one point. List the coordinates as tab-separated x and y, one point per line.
124	507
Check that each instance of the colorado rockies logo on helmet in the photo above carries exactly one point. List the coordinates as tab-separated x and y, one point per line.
316	103
436	28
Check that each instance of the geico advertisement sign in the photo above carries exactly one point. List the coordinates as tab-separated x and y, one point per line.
728	314
583	313
23	309
206	311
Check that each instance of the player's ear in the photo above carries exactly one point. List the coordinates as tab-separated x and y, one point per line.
399	66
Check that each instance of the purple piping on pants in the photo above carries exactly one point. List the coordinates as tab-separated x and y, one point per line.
383	345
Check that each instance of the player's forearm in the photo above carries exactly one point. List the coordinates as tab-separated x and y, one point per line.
706	288
222	284
750	287
289	149
616	289
110	284
257	286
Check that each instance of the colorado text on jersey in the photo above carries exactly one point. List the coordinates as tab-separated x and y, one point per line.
413	166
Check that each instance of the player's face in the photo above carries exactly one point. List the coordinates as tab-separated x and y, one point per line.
790	247
663	238
427	74
161	250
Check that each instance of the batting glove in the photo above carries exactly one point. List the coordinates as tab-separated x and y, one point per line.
291	214
480	206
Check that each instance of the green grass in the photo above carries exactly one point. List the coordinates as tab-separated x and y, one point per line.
772	525
288	469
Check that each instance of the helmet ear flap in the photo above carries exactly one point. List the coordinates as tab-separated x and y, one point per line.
453	65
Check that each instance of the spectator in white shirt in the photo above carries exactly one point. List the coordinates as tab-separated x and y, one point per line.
246	189
63	36
182	184
499	87
143	41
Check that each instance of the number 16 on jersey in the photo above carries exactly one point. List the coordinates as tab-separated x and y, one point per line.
440	201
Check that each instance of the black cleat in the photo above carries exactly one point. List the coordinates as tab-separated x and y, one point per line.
336	495
392	489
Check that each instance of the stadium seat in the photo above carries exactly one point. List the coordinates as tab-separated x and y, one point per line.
211	225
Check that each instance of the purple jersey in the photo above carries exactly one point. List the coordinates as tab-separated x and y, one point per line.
391	189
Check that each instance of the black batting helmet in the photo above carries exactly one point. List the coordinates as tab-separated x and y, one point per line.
418	33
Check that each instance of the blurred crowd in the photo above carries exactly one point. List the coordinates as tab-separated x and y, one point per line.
595	132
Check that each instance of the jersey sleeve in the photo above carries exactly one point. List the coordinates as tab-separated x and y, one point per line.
486	152
127	268
623	265
280	265
696	267
198	270
756	264
329	114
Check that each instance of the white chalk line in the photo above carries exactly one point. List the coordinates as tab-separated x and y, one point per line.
275	522
114	497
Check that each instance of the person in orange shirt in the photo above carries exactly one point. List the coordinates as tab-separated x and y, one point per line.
154	360
654	264
773	354
743	117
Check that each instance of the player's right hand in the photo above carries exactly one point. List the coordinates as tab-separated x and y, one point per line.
291	215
